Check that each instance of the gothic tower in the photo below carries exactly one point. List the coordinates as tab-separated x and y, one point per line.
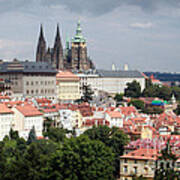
41	48
79	58
57	52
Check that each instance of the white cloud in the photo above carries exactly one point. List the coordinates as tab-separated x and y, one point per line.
10	49
142	25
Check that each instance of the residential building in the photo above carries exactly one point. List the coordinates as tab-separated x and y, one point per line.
25	117
29	79
141	162
68	88
6	120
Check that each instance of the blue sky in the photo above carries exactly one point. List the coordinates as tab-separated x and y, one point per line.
145	34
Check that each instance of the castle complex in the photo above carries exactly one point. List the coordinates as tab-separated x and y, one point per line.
73	57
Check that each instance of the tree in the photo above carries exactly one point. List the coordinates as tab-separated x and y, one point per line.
13	134
118	97
133	90
164	92
152	110
111	137
82	158
87	94
137	103
56	134
176	92
165	165
32	136
177	110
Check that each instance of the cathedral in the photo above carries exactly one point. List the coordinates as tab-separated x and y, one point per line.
73	57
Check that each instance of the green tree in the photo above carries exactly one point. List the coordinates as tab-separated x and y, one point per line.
56	134
166	172
32	136
152	110
137	103
111	137
13	134
164	92
133	90
87	94
177	110
118	97
82	158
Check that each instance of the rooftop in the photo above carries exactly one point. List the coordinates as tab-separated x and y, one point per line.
26	67
5	110
28	110
122	74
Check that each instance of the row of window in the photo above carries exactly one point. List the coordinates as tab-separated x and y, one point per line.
42	91
39	83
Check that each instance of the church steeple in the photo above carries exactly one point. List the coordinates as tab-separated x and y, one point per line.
41	47
57	57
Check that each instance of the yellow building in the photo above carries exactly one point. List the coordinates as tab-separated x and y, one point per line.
137	163
68	88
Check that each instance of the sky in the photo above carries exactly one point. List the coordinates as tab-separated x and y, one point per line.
145	34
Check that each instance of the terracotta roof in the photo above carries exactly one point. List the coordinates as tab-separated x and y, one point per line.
28	110
143	154
5	110
114	114
66	75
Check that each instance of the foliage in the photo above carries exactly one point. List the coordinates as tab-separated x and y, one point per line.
82	158
56	134
87	94
47	124
13	134
133	90
177	110
152	110
111	137
166	172
176	92
137	103
118	97
32	136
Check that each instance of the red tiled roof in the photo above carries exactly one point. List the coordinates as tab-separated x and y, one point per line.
5	110
114	114
28	110
143	154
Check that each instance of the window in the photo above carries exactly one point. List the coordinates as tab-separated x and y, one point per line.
125	161
125	169
32	91
32	83
135	170
36	91
27	83
135	161
36	82
27	92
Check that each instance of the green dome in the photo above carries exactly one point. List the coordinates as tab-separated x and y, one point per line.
78	37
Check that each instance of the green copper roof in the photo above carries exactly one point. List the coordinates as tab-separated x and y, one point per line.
78	37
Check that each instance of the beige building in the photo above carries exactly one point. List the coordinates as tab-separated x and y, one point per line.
25	117
68	88
6	120
141	162
114	81
29	79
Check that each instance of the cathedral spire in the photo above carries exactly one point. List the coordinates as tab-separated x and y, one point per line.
41	47
58	51
41	36
57	32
